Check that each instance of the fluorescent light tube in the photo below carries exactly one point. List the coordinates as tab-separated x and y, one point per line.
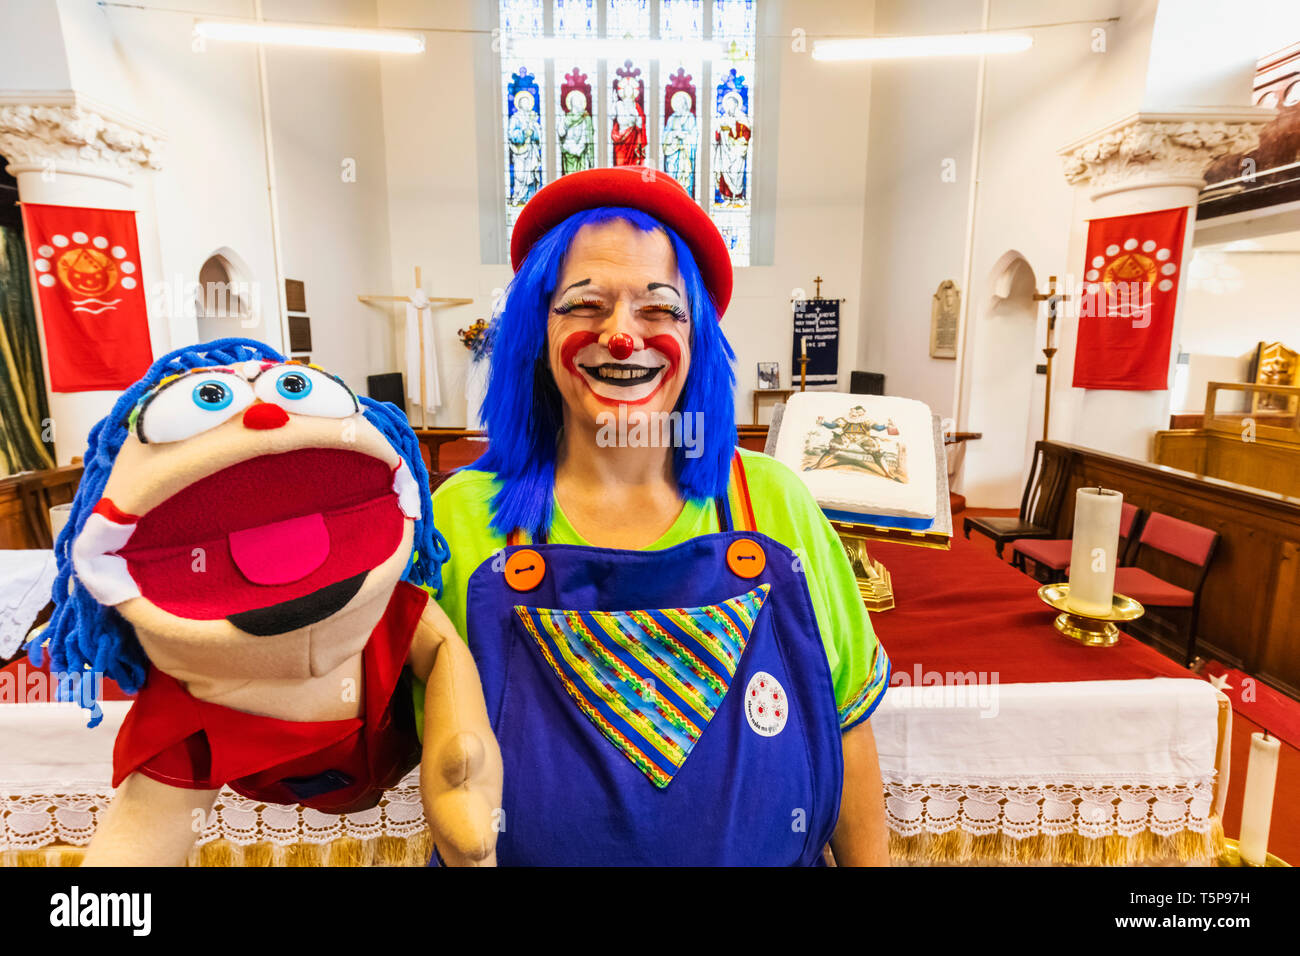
293	34
888	48
613	49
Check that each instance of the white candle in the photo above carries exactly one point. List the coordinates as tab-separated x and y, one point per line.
1094	550
803	341
1257	802
59	515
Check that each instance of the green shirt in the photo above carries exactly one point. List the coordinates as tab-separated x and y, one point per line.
783	510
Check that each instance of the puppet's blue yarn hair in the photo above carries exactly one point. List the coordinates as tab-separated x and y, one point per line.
523	412
86	640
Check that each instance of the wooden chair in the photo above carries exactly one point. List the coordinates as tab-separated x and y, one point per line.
1190	547
1039	504
36	492
1051	556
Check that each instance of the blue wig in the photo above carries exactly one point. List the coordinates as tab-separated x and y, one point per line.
523	412
84	639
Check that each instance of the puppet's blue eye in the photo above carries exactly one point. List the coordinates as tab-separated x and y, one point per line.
212	396
293	385
303	390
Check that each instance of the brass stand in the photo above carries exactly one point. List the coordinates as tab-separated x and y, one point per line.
1047	393
873	580
1232	857
1089	629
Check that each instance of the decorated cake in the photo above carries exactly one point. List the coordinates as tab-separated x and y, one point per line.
862	456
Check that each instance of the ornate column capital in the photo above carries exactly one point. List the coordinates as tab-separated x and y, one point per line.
1162	148
74	134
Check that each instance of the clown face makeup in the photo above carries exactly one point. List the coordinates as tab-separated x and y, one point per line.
619	329
252	524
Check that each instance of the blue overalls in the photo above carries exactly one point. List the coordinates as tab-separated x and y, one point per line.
669	707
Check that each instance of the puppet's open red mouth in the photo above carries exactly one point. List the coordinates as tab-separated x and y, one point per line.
265	535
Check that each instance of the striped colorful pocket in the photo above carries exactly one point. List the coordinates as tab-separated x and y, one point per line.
649	680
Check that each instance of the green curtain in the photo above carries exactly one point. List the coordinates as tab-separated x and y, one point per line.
24	410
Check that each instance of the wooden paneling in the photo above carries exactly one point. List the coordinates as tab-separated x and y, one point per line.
1182	448
1263	463
1250	606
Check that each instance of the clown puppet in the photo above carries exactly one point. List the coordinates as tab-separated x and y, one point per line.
244	554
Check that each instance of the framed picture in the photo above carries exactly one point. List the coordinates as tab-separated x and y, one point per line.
945	309
769	375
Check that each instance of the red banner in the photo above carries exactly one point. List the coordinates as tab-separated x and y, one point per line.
1126	309
86	264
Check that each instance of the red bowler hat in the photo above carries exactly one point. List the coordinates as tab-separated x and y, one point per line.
640	187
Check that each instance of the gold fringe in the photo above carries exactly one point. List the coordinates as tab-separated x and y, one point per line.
957	847
345	851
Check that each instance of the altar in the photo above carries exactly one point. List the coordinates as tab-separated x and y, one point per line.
1000	742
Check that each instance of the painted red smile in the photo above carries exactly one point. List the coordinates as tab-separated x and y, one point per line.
272	543
642	380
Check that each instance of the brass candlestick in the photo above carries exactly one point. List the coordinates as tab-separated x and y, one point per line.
1094	630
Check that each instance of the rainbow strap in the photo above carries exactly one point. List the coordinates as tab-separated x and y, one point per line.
649	680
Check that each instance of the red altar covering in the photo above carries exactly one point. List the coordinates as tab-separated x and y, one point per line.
964	610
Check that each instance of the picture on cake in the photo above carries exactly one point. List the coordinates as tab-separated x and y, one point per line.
856	443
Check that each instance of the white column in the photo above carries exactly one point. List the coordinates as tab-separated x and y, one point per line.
1142	163
64	152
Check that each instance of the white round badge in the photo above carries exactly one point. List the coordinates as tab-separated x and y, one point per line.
766	706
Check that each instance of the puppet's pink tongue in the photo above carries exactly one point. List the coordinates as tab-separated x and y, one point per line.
281	552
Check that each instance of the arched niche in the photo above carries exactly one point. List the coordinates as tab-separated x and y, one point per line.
226	299
1005	393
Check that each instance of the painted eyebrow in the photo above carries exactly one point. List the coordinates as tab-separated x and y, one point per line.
651	286
575	285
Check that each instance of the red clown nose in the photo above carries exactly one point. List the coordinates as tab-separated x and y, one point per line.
621	345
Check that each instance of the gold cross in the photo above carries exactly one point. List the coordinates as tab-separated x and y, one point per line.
818	282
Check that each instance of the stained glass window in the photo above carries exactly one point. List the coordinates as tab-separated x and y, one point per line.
690	117
575	105
679	137
730	161
629	129
523	108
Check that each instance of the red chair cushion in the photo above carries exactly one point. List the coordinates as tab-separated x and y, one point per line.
1127	513
1182	539
1051	553
1145	588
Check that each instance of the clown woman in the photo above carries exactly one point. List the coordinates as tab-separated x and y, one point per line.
674	656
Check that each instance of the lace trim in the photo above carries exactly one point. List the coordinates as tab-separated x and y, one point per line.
1044	806
33	819
1051	806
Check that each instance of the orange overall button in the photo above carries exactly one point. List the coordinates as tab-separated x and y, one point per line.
746	558
524	569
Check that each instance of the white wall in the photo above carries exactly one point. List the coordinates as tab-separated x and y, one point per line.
213	190
918	225
1235	300
326	122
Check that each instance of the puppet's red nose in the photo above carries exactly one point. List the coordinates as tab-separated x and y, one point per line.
621	345
264	416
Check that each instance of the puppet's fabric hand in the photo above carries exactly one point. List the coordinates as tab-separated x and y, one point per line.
462	790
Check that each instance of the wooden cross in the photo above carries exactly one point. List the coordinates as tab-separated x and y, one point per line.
1053	299
422	302
818	283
